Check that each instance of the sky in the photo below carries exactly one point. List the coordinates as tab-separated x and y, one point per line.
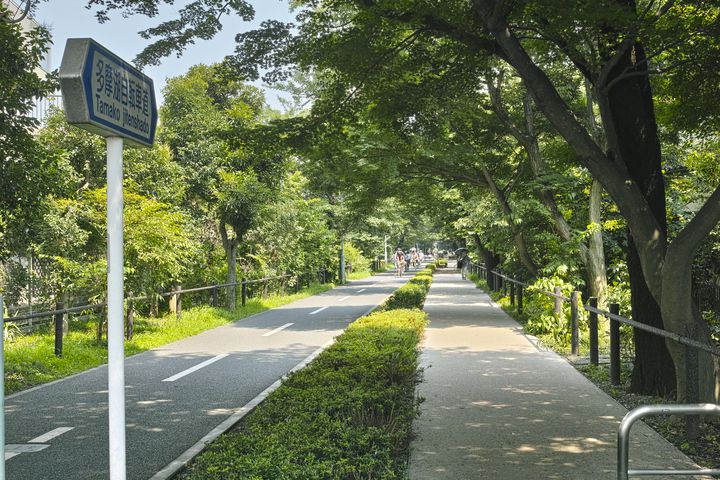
70	19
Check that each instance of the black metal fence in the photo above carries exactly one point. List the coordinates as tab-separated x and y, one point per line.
248	289
516	289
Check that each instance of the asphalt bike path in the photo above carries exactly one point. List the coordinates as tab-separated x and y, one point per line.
177	393
498	406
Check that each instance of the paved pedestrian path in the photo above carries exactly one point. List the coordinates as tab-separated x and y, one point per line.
498	407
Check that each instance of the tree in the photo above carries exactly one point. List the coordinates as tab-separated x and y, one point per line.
26	171
231	169
606	44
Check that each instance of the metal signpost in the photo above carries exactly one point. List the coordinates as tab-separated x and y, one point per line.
107	96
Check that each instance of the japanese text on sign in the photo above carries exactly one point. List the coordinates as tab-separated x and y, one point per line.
120	97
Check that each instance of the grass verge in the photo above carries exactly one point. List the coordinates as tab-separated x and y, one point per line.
346	415
359	275
30	359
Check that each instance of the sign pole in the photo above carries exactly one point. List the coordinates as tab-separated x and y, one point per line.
115	301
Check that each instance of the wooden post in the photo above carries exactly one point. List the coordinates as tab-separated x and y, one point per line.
129	318
614	346
594	354
66	317
244	292
178	302
214	297
59	329
558	301
512	293
520	299
574	323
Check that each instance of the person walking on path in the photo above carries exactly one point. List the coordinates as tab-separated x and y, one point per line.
499	407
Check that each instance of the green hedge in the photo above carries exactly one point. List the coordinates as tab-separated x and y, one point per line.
410	295
422	279
346	415
441	262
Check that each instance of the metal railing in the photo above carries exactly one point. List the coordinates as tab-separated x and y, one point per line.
499	280
516	291
57	315
623	438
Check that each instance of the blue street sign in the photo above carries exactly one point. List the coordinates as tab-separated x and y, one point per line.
106	95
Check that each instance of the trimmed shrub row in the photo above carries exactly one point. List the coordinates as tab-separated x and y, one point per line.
413	293
346	415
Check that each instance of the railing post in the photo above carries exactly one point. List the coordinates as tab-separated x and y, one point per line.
614	346
129	318
214	297
594	354
520	299
504	284
178	302
59	329
244	292
574	323
512	293
297	283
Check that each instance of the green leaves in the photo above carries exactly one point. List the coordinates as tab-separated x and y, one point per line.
346	415
26	170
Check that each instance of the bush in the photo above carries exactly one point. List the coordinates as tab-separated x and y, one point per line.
346	415
410	295
441	262
422	279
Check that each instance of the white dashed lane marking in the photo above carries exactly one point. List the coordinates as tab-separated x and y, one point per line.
195	368
272	332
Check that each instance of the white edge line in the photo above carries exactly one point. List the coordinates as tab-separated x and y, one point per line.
361	290
317	311
343	298
50	435
197	367
180	462
172	468
146	352
272	332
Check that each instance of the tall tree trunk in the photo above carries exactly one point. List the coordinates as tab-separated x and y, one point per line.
629	118
595	266
230	245
517	233
490	259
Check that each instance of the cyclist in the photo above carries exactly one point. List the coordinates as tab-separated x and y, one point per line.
399	262
415	258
